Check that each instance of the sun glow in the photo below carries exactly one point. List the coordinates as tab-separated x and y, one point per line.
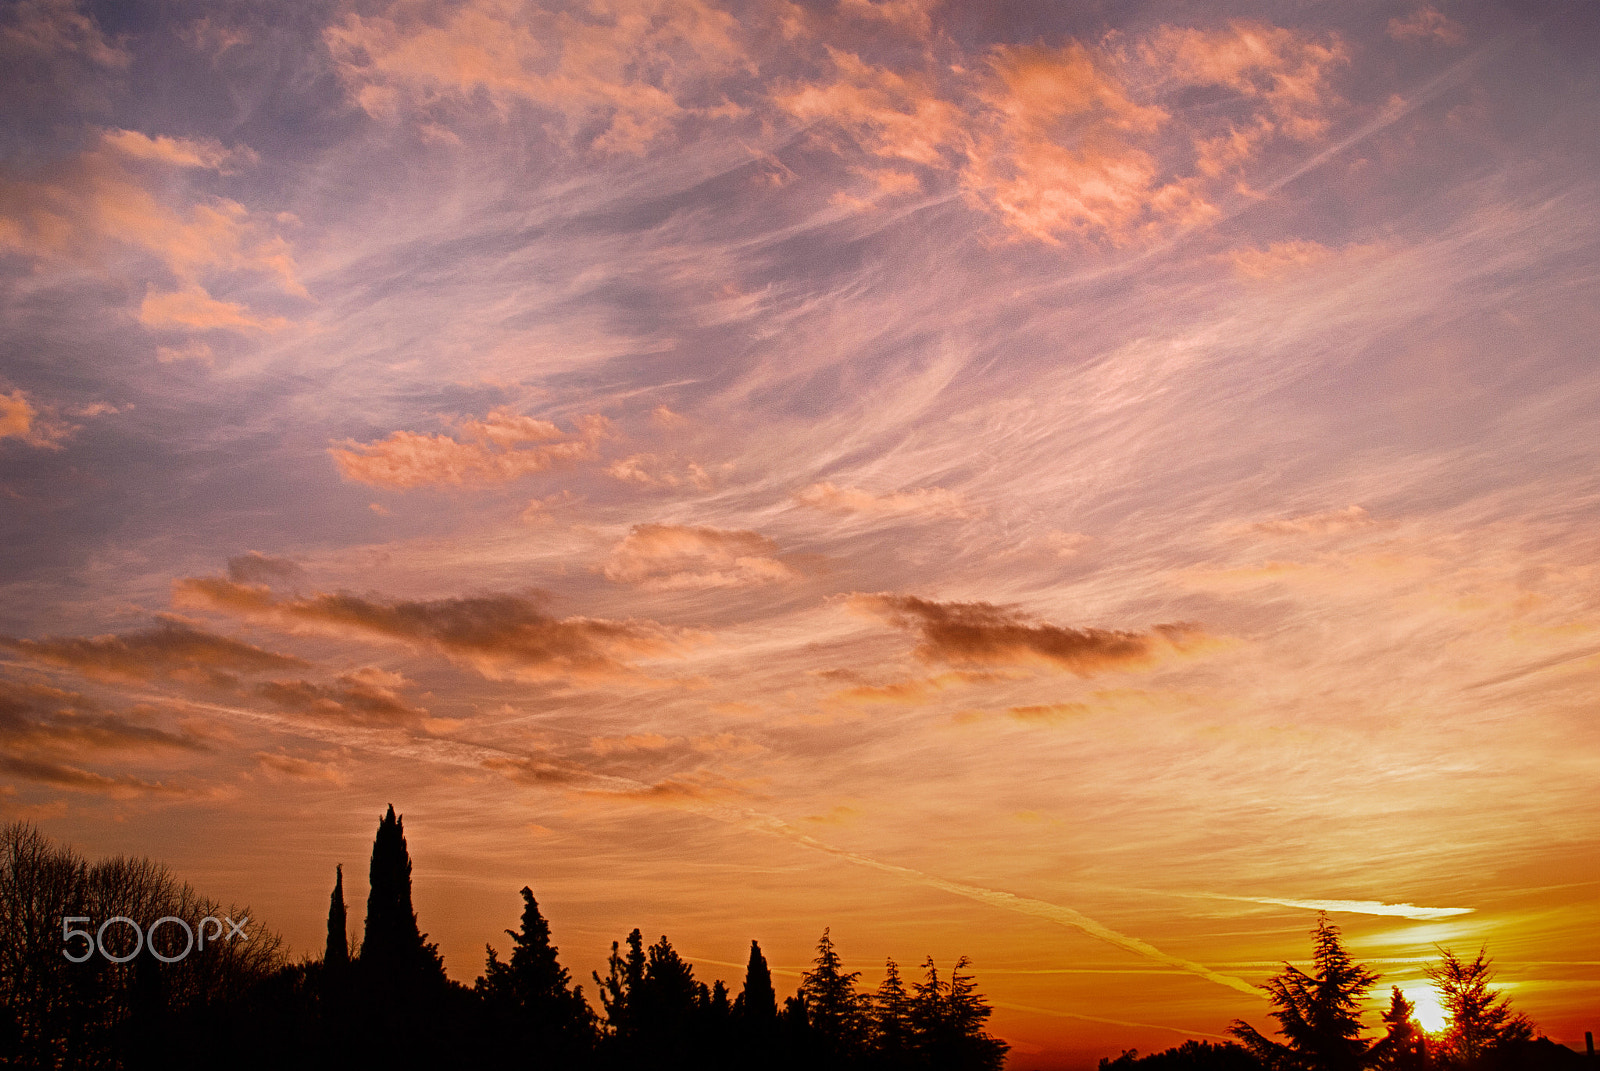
1428	1013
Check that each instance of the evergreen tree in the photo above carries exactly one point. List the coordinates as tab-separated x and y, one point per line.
393	948
1319	1014
948	1019
619	990
758	1002
531	996
1481	1020
1402	1047
893	1035
338	950
835	1011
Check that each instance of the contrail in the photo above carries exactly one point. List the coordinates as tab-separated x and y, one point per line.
1113	1022
1022	905
461	753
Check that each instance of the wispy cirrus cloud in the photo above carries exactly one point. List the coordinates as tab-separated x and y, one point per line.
919	501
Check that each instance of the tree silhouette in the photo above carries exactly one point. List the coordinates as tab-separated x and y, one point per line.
530	996
619	990
392	945
894	1039
1319	1014
835	1012
337	953
1403	1046
758	1001
1481	1020
948	1021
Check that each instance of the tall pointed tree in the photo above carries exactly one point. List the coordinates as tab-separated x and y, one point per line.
393	948
834	1009
758	1002
338	950
893	1035
1319	1014
532	994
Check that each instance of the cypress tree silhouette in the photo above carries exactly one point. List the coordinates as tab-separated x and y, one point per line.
758	1002
338	951
393	948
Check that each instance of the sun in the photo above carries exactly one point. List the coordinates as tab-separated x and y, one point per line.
1428	1013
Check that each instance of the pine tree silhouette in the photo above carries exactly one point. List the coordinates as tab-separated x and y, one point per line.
1402	1048
1320	1014
893	1036
338	950
834	1009
531	997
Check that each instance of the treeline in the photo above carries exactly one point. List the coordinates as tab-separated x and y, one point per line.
388	1004
1319	1020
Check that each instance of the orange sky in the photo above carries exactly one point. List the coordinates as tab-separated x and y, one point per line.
1077	486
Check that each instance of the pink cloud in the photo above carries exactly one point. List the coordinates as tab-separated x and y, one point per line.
501	447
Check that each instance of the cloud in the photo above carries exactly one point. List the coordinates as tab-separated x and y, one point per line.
22	420
980	633
74	777
301	769
195	310
257	568
1358	907
37	716
369	696
501	636
920	501
178	152
619	72
1076	140
56	28
97	201
1282	259
1285	71
171	649
1065	149
672	557
650	470
1325	523
1428	24
501	447
45	731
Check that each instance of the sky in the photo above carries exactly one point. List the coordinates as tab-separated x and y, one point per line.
1080	486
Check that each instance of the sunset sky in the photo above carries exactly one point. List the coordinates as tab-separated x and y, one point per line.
1081	485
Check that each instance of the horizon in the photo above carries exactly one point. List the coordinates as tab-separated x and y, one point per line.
1082	487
